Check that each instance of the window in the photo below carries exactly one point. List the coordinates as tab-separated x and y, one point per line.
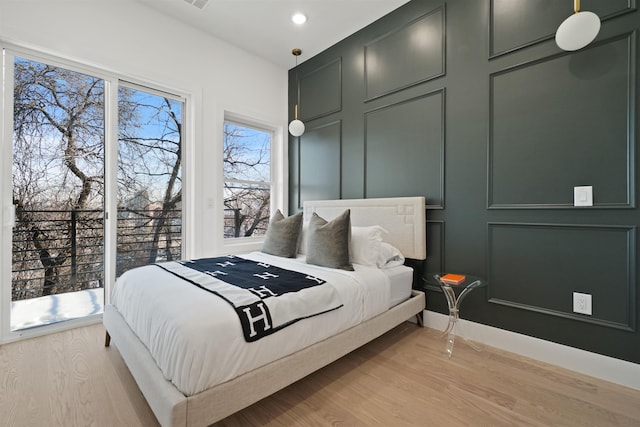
149	164
88	203
247	179
58	194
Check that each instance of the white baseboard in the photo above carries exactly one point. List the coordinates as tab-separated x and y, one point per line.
593	364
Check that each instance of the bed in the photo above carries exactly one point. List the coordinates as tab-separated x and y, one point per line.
213	394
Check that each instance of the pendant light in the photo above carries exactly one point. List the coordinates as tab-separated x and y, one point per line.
296	127
578	30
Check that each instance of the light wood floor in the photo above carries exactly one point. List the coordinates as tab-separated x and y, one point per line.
401	379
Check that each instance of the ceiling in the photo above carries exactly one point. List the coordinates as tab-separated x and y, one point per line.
264	27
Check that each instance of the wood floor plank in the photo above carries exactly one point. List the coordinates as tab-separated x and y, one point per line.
400	379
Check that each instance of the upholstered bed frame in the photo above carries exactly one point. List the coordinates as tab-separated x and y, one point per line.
404	218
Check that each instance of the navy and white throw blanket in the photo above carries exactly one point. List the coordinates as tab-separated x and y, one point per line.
265	297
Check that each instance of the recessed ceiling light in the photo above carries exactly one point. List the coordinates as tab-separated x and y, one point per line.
299	18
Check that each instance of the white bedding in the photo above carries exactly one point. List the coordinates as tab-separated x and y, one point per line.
400	283
196	339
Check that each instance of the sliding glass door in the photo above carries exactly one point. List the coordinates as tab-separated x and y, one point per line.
149	178
58	194
64	165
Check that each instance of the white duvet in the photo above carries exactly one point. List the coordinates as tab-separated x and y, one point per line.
196	339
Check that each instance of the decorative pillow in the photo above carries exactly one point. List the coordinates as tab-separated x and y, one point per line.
390	256
328	242
281	238
365	244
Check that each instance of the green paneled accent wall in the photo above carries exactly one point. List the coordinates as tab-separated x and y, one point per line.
581	110
406	56
517	24
415	142
566	251
320	91
319	178
472	105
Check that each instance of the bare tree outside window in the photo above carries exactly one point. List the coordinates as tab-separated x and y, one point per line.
149	179
247	180
58	180
58	177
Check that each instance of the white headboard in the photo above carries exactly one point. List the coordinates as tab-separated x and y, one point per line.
403	217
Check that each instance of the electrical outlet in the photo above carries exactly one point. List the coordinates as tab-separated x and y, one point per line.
582	303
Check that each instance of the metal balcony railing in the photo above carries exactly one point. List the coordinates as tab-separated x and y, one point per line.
57	251
231	228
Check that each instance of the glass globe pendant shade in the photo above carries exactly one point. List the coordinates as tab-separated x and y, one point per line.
296	127
577	31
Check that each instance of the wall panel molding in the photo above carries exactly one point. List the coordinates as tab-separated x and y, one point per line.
506	141
415	144
560	259
320	150
406	56
537	155
530	23
320	91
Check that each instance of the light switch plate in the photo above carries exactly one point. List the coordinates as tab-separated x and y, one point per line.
583	196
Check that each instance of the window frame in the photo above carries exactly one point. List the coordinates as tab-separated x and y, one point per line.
112	81
278	177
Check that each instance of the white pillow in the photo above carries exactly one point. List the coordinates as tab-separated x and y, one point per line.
365	244
302	240
389	256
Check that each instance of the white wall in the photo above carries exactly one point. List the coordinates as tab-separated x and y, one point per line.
126	37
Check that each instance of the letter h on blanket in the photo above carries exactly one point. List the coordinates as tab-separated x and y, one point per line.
251	319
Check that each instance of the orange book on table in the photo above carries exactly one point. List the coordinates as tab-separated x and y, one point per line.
452	279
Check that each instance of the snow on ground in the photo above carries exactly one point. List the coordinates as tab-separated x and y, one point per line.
56	308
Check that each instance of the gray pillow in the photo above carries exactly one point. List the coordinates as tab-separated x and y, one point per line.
282	235
328	242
